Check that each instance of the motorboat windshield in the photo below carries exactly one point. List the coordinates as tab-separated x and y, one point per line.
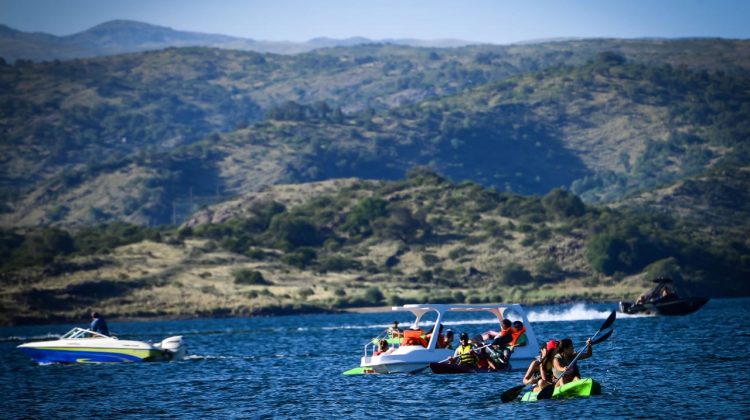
84	333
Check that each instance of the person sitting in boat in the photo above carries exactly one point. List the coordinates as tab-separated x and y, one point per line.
565	355
519	335
429	334
414	337
98	324
394	331
539	372
505	328
382	347
447	342
465	352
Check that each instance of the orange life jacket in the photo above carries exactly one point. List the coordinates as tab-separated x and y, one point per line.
414	338
516	334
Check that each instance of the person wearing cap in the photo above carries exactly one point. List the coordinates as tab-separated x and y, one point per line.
539	372
465	351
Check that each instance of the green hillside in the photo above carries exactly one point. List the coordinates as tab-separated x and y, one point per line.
344	243
607	130
206	182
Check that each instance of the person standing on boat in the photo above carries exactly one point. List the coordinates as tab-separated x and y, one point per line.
465	352
564	356
394	330
98	324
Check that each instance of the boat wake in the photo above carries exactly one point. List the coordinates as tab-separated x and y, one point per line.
577	312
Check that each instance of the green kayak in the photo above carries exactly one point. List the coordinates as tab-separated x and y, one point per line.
581	388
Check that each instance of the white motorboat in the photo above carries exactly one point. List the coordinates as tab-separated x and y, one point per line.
84	346
404	357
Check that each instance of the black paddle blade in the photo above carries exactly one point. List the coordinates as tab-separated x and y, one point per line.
602	338
546	393
511	394
610	320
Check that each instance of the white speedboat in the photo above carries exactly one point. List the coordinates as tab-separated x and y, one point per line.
404	357
84	346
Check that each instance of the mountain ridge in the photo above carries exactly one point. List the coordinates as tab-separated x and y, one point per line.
126	36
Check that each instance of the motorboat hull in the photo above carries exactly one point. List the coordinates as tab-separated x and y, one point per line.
584	387
676	307
44	355
84	346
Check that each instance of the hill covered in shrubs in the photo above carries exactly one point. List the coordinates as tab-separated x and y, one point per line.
350	243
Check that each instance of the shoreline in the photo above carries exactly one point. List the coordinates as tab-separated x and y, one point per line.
29	321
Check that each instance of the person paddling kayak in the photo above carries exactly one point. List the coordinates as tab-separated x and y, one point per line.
465	352
539	372
565	355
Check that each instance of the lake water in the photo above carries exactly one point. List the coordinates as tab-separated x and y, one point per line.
289	367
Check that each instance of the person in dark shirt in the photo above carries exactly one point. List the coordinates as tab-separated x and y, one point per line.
98	324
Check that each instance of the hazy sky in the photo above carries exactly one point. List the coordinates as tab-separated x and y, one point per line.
475	20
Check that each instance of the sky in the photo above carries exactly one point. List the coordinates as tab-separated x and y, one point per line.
498	21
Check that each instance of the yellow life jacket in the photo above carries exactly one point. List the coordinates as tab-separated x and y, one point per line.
466	355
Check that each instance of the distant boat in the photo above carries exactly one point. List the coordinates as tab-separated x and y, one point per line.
663	300
85	346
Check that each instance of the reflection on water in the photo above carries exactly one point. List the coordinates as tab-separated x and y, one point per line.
291	367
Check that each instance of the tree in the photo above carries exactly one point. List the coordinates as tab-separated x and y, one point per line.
292	232
563	204
365	212
514	274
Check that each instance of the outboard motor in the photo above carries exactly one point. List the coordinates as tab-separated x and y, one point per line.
174	346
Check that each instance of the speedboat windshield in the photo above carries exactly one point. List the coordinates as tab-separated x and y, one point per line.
82	333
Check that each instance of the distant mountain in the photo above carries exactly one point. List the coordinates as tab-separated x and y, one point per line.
139	137
124	36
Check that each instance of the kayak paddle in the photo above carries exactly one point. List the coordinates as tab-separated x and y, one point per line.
444	360
547	392
514	392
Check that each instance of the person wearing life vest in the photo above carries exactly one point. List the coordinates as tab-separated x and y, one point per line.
465	352
505	329
561	362
539	372
414	337
518	332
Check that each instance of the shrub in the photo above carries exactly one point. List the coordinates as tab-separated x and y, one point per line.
337	263
300	258
373	295
515	274
430	259
249	277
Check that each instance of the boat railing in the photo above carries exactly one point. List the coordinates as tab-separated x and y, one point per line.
83	333
371	346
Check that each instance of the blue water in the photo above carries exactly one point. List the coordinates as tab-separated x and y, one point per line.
288	367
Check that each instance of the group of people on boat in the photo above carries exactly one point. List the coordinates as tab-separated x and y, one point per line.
553	364
472	353
494	356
